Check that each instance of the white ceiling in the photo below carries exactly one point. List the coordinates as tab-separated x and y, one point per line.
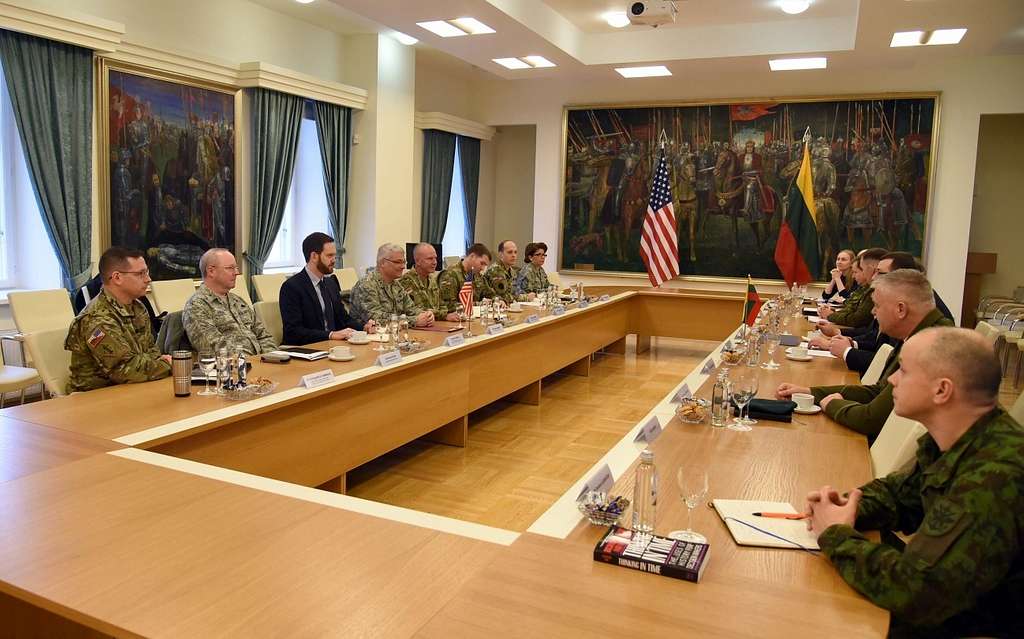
728	35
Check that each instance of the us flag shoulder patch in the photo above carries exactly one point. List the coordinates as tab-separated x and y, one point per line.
96	337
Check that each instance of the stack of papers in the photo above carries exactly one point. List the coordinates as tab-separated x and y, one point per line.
308	354
749	530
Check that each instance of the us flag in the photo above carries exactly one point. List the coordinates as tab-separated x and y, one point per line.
659	245
466	296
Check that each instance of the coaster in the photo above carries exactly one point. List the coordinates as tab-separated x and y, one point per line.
813	410
806	358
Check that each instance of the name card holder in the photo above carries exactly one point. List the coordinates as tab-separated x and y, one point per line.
388	358
649	432
494	329
602	481
709	367
684	393
583	304
558	310
604	298
455	340
320	378
532	319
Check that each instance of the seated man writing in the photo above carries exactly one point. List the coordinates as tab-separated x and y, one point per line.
903	305
962	573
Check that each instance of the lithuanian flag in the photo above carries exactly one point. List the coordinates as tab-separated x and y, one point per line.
751	304
796	253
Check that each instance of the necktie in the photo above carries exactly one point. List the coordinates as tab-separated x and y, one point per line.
328	307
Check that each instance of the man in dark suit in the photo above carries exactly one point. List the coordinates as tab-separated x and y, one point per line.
311	306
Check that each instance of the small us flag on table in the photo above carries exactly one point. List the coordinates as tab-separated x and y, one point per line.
466	295
659	244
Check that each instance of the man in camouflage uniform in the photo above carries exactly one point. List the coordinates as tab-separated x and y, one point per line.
379	295
497	281
962	573
856	311
904	305
214	317
450	281
421	281
111	341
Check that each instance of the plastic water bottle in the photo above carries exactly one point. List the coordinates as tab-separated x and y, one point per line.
720	400
645	493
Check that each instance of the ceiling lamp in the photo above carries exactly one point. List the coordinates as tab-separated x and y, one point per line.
797	64
918	38
511	63
472	26
643	72
442	28
617	19
407	40
794	7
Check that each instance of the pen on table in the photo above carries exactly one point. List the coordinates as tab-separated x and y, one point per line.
782	515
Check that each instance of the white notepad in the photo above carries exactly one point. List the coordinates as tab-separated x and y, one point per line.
793	533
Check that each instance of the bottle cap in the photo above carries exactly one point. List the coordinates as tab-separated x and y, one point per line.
647	455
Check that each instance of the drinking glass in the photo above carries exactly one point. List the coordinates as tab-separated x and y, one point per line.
403	326
693	488
771	342
467	312
207	364
223	363
744	388
385	337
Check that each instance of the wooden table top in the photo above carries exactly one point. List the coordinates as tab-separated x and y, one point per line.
29	448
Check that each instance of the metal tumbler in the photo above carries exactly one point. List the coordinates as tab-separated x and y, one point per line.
181	370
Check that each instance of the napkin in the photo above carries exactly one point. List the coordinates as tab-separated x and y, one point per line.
776	410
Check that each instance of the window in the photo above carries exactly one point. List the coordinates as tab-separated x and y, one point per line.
456	238
307	209
26	254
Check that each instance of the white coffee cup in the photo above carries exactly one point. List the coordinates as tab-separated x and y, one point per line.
803	401
515	306
358	336
799	352
341	351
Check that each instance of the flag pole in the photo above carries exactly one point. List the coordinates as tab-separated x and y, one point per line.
746	298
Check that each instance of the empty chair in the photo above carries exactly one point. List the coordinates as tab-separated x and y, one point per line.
555	279
41	310
171	295
895	445
270	314
1017	410
347	277
874	371
16	378
991	333
241	290
268	286
52	362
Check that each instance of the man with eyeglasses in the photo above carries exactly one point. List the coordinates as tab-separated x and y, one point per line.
379	295
214	317
111	341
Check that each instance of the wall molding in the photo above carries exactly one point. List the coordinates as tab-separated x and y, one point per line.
453	124
188	66
64	26
268	76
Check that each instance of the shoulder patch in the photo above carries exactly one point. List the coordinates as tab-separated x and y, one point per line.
96	337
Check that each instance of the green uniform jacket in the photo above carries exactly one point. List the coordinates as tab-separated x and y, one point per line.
112	344
531	279
856	312
377	300
424	291
212	321
962	574
864	408
449	282
497	282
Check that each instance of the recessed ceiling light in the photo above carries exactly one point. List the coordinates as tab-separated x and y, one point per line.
643	72
303	1
794	6
617	19
407	40
472	26
538	61
442	28
946	36
795	64
907	39
511	63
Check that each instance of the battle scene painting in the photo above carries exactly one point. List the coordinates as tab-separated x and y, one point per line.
731	168
172	165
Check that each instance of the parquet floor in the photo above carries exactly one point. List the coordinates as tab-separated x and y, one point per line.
521	458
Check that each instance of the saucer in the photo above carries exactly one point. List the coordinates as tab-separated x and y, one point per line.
813	410
799	359
341	359
361	342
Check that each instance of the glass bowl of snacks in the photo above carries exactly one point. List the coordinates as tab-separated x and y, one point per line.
692	410
601	510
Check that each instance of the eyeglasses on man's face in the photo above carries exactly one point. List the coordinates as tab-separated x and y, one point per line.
144	273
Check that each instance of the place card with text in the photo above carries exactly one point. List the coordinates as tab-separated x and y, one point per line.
650	431
532	318
494	329
684	393
558	310
389	358
320	378
602	481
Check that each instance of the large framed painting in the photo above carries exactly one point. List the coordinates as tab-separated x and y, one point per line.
731	166
168	179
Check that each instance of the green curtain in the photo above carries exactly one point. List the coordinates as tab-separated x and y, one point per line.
50	84
438	167
469	162
276	120
334	126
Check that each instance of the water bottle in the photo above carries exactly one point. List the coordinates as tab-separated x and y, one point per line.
181	369
645	493
393	330
720	401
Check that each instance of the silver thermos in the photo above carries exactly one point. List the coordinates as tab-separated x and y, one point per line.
181	370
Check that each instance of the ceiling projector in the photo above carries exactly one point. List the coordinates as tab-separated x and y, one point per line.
652	12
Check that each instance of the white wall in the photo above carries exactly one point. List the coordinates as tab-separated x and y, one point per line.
969	86
514	177
997	222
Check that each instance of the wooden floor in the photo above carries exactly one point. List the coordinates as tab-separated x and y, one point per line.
521	458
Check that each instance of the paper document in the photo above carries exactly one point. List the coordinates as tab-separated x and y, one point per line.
814	352
738	515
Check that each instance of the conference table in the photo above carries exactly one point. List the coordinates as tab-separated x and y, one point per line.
135	513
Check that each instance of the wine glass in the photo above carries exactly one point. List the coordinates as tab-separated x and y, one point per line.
693	488
467	312
207	364
744	388
771	342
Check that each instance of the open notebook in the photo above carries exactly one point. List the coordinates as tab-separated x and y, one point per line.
788	533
